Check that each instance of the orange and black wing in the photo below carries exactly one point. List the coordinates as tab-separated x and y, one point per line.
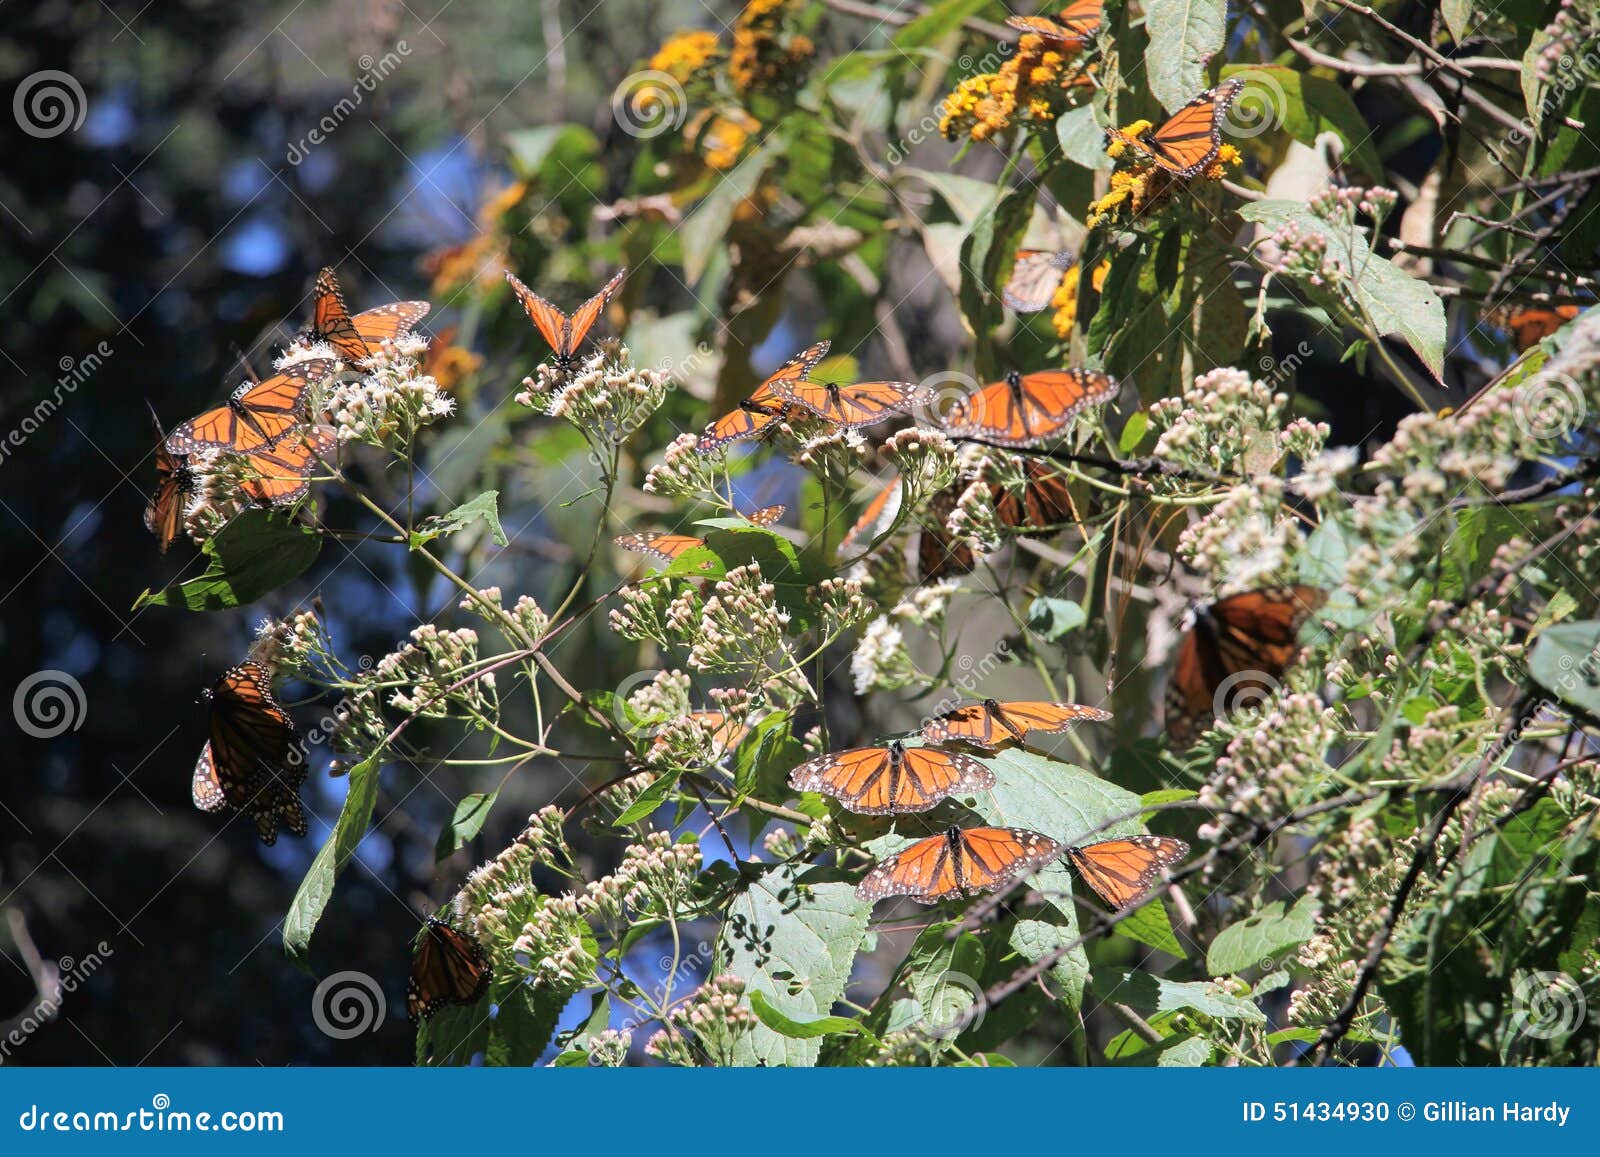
925	871
256	752
939	553
163	517
450	967
1025	409
1187	142
877	517
959	863
584	317
993	723
330	319
389	322
891	780
1074	27
660	543
1043	503
204	788
863	404
763	407
1035	277
282	474
1529	327
561	333
256	415
1237	650
1122	870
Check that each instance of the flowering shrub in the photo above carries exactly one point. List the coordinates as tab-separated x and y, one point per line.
1388	833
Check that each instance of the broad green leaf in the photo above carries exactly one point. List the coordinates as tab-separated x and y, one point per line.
801	1030
945	978
1147	993
1133	432
317	888
485	506
1184	36
253	556
1082	138
1457	17
471	813
1305	106
795	944
649	800
706	228
1261	940
1052	617
1566	662
1396	302
741	544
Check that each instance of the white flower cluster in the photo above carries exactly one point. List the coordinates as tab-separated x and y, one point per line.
607	397
389	402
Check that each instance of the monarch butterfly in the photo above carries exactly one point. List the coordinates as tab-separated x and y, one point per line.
939	553
257	414
763	407
863	404
1529	327
878	515
1074	27
204	788
255	753
1120	871
1036	276
450	967
174	483
1025	409
767	515
282	474
1239	647
887	780
1044	502
992	724
958	863
358	338
562	333
662	544
726	733
1189	140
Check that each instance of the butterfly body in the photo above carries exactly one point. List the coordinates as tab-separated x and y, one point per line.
255	416
561	332
1121	870
1026	409
175	481
450	967
1187	142
852	407
958	863
254	754
358	338
760	410
1073	28
893	779
992	724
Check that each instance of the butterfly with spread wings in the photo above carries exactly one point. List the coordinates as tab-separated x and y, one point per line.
254	753
282	474
1035	278
357	338
852	407
175	481
891	780
959	863
1236	653
256	415
993	724
562	333
662	544
450	967
1071	30
1189	140
764	407
1122	870
1529	327
1026	409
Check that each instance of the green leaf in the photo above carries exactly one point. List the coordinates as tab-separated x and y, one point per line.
1133	432
1396	302
1148	993
795	944
1051	617
1566	662
1184	36
254	555
801	1030
944	976
706	229
1082	138
1260	940
465	823
317	888
1305	106
485	506
649	800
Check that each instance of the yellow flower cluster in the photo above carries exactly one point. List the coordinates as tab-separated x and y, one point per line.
1030	87
762	59
1065	300
1145	186
721	136
683	54
481	258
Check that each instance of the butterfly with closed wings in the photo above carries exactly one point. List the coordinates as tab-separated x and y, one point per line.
1122	870
450	967
357	338
175	481
254	755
